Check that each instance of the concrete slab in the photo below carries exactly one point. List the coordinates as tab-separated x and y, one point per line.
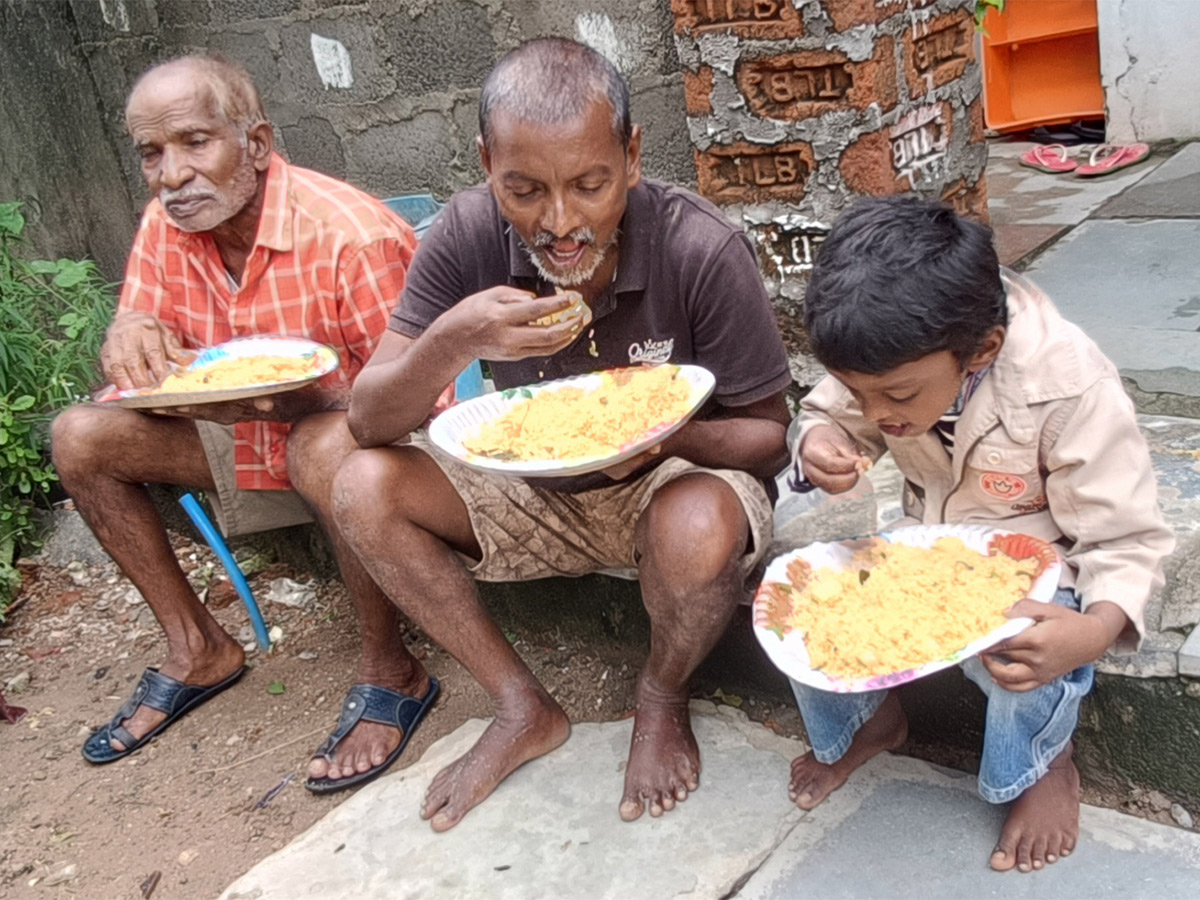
1133	287
1170	191
1015	242
1189	655
1018	195
901	828
551	829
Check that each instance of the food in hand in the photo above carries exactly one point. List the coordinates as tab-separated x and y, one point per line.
577	310
896	607
576	423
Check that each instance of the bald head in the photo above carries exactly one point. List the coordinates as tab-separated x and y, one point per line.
550	81
229	88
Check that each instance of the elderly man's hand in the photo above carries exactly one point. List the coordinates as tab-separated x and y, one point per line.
137	349
496	324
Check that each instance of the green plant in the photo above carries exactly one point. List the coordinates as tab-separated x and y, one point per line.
52	320
982	7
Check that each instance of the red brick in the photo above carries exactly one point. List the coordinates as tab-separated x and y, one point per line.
845	14
937	51
753	173
910	154
809	83
766	19
697	91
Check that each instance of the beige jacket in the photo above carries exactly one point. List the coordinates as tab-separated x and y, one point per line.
1048	445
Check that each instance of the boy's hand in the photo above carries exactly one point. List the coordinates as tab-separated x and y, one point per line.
830	460
1059	641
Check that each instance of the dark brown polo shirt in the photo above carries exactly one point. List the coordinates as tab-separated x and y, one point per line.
687	290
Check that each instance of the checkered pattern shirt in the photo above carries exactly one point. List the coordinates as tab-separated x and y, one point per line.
328	264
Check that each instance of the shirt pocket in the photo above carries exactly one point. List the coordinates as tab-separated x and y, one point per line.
1007	473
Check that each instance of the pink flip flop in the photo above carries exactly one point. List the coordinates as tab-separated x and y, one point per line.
1052	158
1110	157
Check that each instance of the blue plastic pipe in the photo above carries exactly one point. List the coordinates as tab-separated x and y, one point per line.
200	519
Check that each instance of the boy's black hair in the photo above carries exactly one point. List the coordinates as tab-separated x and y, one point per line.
899	278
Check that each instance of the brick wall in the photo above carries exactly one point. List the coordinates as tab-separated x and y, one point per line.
797	107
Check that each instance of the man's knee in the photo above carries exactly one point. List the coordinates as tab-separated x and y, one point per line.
359	487
75	436
695	527
316	447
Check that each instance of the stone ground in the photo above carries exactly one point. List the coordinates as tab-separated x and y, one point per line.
899	828
193	806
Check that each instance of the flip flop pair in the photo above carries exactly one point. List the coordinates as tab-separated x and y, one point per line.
372	703
1055	159
157	691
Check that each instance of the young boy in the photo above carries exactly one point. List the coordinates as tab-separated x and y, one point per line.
996	411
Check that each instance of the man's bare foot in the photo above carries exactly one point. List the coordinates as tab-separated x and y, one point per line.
813	781
212	667
369	743
529	726
1043	824
664	761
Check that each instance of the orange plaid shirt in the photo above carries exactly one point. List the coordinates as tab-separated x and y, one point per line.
328	264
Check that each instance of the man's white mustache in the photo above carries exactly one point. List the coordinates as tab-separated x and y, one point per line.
166	197
579	236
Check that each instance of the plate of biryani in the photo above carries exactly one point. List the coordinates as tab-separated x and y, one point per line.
572	425
234	370
877	612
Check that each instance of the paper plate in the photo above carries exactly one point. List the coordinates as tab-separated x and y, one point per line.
459	422
325	360
787	651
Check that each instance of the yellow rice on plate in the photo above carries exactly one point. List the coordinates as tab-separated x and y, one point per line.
897	607
237	372
572	423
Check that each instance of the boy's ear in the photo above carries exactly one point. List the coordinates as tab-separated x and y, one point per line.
993	343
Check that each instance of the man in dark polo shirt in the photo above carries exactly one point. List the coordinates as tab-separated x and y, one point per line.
667	278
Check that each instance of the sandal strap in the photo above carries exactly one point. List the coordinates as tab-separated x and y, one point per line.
371	703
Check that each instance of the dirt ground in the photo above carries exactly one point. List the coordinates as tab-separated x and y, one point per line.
192	807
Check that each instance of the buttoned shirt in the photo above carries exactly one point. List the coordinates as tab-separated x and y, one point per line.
328	264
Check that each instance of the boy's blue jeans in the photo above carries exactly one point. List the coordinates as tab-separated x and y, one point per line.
1023	733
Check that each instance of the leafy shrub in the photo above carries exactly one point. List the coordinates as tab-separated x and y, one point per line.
52	320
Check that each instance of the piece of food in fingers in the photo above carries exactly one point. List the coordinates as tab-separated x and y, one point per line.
863	465
578	310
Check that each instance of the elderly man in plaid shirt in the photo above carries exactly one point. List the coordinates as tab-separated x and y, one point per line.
235	242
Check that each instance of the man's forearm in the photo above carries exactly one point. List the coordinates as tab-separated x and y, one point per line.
757	446
393	397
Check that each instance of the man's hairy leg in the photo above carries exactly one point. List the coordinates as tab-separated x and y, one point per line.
317	446
402	516
691	537
105	456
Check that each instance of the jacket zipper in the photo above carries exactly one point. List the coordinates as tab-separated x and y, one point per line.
962	476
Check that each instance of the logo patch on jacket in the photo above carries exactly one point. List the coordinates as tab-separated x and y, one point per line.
1002	485
1037	504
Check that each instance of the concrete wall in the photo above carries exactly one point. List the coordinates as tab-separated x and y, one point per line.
1148	53
382	93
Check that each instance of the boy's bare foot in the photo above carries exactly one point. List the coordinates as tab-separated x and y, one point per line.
813	781
530	727
1043	823
664	761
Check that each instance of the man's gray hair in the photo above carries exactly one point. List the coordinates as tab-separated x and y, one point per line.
550	81
234	96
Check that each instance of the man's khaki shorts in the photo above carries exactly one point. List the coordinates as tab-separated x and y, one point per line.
238	511
526	532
